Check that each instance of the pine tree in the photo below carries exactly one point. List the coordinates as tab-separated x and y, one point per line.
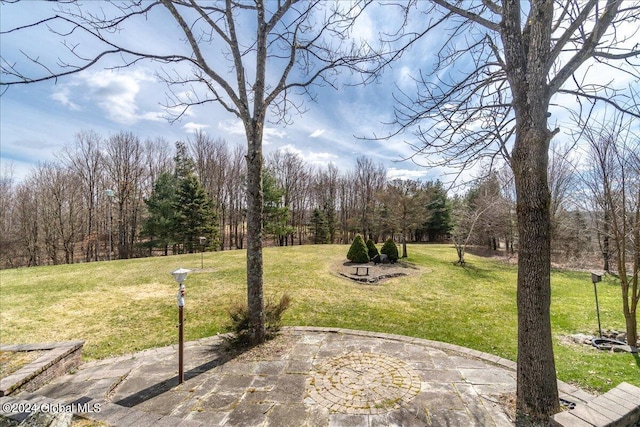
184	165
276	216
358	251
160	225
371	249
320	227
390	249
195	215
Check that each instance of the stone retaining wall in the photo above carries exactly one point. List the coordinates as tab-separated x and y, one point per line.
59	359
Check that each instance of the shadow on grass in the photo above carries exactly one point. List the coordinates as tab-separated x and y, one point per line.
475	272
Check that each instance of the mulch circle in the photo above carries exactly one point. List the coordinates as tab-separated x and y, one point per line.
377	272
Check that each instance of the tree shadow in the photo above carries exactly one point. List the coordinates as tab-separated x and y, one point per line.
225	354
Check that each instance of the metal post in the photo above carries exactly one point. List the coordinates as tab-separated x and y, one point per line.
595	278
180	275
595	291
181	345
110	231
180	296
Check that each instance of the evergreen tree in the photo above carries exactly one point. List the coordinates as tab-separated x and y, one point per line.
276	216
371	249
390	249
329	212
320	227
195	215
438	225
358	251
160	225
184	165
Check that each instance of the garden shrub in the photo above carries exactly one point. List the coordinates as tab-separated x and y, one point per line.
358	251
241	326
371	249
390	249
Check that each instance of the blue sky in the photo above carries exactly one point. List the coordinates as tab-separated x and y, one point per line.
36	120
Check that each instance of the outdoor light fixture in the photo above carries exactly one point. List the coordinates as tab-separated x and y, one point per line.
180	275
595	278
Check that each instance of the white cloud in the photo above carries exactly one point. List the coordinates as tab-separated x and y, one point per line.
362	29
404	77
114	92
394	173
273	132
317	133
235	127
311	157
62	96
192	127
291	149
154	116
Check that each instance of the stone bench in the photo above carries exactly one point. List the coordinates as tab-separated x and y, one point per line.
619	407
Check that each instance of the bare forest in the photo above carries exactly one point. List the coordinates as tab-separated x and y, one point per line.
95	203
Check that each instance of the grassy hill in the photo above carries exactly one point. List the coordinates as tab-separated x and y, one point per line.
124	306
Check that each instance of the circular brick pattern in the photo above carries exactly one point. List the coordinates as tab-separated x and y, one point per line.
362	383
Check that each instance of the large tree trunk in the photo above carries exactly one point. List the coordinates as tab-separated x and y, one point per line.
537	390
255	293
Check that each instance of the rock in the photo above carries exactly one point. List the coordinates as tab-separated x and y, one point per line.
380	258
623	349
581	338
621	337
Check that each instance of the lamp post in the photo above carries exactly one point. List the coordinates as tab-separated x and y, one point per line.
595	278
203	241
110	194
180	275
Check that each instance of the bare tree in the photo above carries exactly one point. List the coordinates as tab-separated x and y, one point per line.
27	206
157	154
9	242
370	179
613	183
235	187
464	220
290	46
488	94
290	172
211	158
562	184
408	206
85	159
326	194
124	163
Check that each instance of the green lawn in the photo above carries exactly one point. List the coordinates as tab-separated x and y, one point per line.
125	306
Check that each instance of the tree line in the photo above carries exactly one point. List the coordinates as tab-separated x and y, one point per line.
122	197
